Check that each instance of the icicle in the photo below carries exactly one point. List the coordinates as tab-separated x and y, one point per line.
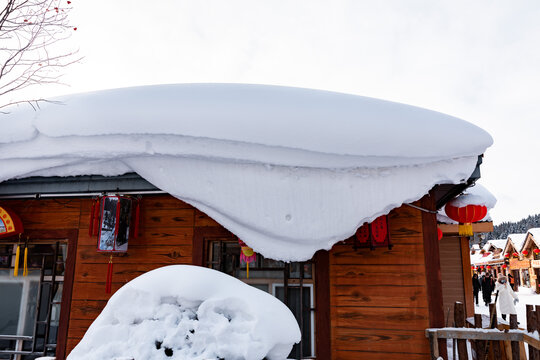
16	269
108	283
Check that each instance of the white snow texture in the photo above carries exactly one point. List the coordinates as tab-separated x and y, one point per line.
189	312
288	170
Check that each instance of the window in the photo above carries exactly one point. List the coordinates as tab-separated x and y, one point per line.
292	283
30	305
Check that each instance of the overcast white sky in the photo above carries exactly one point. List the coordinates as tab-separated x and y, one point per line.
478	60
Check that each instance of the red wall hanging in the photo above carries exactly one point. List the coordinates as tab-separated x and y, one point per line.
373	235
10	224
113	219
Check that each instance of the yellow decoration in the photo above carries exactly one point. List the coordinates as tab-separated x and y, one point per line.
16	269
25	269
465	229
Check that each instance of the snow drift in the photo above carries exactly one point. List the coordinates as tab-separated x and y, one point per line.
290	171
189	313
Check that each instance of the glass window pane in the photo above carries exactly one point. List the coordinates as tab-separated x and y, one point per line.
9	307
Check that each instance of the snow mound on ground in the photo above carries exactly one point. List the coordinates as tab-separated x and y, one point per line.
189	313
290	171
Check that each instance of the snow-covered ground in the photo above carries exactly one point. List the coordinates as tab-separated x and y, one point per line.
526	296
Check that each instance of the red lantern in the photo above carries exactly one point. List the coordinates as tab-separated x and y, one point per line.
439	234
472	267
465	215
536	251
515	254
504	266
507	255
489	267
525	252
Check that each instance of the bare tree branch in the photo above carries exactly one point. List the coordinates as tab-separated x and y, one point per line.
30	55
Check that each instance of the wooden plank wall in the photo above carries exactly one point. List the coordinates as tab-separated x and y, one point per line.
378	305
378	298
451	276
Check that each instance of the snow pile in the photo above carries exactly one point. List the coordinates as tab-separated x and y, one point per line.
189	313
535	232
290	171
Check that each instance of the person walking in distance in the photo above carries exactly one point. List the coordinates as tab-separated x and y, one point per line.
476	287
487	288
507	297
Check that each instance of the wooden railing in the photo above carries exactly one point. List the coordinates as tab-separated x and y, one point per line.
488	339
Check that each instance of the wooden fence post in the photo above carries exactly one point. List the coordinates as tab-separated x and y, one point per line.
480	345
493	320
514	344
459	320
531	326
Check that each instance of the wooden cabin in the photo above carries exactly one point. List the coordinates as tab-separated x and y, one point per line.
531	253
456	272
358	303
518	265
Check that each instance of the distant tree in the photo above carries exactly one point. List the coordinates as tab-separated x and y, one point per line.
30	55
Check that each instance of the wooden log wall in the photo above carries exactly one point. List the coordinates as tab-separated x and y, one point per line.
378	299
166	233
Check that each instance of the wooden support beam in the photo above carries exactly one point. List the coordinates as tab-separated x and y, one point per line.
514	344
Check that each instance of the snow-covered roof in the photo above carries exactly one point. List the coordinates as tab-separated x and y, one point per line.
498	243
288	170
518	240
535	232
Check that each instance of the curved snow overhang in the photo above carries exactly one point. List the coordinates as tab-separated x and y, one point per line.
290	171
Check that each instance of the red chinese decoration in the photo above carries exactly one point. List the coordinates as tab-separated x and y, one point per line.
10	224
465	215
504	266
515	254
373	235
507	255
113	219
472	267
439	234
536	251
489	267
525	252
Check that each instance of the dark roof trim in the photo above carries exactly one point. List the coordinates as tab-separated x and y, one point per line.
80	185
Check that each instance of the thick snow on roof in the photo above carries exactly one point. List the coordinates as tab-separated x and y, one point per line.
498	243
194	312
535	232
518	240
290	171
476	195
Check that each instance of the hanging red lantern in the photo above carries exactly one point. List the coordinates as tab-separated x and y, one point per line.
111	219
439	233
465	215
489	267
472	267
247	255
525	252
504	266
536	251
515	254
507	255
